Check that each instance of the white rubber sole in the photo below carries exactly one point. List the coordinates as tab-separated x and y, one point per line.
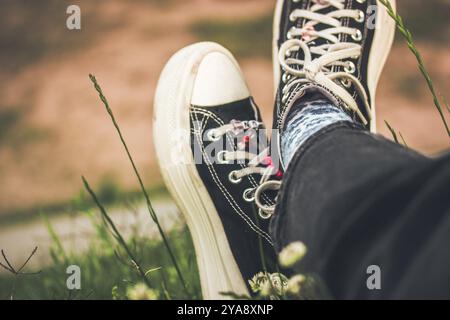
218	269
381	46
275	36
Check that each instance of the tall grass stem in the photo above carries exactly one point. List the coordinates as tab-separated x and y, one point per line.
117	235
412	47
144	191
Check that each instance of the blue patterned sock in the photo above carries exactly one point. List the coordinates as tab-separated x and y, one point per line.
305	120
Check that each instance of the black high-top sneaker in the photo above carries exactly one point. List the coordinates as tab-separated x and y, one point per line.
209	144
333	47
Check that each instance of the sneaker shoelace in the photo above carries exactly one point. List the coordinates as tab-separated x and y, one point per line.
252	163
321	62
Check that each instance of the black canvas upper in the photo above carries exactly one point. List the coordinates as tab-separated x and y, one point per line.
243	228
361	63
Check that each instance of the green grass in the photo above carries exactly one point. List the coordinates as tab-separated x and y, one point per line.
245	38
105	268
151	211
113	266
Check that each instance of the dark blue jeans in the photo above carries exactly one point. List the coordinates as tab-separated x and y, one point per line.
356	199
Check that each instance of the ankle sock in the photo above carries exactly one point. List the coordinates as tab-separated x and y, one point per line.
305	119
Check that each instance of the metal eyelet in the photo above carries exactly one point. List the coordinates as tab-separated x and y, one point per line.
264	215
346	83
253	124
351	67
361	16
249	195
289	34
211	135
361	1
286	77
221	157
233	179
357	36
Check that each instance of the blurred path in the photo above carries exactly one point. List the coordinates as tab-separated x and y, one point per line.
77	231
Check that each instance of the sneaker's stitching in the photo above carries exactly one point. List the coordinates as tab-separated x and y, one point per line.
223	189
252	180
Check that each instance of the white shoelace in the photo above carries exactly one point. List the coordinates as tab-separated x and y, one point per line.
321	70
260	164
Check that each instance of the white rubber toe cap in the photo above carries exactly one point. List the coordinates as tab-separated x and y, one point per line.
219	81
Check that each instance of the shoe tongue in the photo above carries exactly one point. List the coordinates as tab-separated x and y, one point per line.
311	92
314	94
306	93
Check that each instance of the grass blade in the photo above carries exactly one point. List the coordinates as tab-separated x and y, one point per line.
412	47
116	233
138	176
394	135
403	139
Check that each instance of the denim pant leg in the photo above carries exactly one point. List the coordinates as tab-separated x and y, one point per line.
356	199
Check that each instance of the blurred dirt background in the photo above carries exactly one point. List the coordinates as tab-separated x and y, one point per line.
53	127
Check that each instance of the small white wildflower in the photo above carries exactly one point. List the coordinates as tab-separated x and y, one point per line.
266	289
279	283
141	292
258	281
295	284
268	284
292	254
